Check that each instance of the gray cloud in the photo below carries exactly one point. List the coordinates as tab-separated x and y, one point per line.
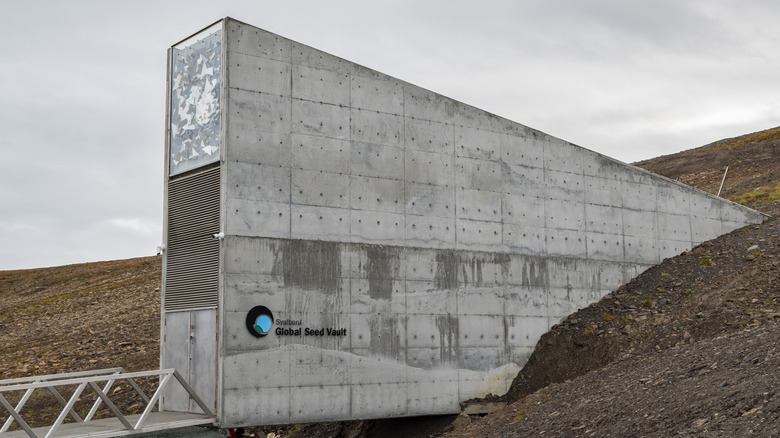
82	90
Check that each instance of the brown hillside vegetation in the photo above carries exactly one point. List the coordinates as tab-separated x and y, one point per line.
688	348
78	317
753	170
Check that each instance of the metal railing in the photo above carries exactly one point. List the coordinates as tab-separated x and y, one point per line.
89	379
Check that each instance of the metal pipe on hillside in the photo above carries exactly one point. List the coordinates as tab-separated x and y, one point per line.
723	180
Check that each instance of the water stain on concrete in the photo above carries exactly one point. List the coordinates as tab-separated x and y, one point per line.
312	264
449	337
385	340
472	270
380	269
535	273
447	264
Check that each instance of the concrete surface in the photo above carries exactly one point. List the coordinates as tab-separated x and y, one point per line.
444	239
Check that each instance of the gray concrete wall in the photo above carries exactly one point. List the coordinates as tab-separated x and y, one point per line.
426	328
444	239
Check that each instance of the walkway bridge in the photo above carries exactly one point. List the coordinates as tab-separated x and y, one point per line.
91	393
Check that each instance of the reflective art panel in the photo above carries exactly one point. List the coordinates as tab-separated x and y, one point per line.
196	79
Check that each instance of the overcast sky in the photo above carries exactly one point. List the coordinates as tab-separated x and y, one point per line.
82	89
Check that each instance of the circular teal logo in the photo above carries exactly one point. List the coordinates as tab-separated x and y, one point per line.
259	321
263	324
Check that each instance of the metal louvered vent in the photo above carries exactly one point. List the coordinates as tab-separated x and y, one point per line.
192	268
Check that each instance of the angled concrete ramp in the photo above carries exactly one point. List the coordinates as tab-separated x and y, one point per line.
439	241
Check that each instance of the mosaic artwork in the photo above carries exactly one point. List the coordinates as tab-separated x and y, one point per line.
196	76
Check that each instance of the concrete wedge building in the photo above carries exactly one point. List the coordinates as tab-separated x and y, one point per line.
340	244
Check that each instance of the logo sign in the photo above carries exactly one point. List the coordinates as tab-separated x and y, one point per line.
259	321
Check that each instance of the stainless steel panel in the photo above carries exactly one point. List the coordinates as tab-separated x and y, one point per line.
196	82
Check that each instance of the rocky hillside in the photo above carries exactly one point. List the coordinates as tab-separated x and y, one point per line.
75	317
753	176
687	348
78	317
